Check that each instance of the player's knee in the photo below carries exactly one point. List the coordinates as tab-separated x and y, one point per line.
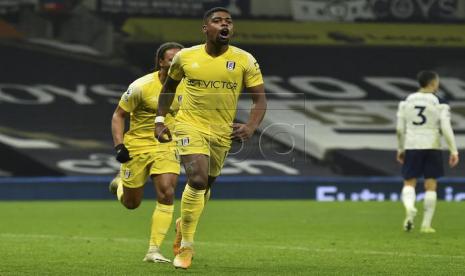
166	196
410	182
430	185
198	182
131	204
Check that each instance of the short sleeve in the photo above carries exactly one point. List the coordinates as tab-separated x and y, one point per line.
131	98
176	71
253	75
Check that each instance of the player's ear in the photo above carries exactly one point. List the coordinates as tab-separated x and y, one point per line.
204	29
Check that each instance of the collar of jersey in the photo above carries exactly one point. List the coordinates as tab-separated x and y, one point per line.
204	51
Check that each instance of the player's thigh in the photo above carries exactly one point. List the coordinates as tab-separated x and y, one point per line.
165	160
196	167
164	171
132	197
434	167
413	166
194	150
134	173
190	141
218	155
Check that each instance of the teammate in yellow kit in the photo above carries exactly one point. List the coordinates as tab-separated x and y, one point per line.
141	155
215	74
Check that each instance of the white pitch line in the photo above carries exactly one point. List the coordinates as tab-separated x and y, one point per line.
219	244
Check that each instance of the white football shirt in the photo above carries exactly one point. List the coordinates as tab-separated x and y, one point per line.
421	119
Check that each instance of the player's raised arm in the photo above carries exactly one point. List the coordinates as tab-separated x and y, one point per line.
446	129
400	130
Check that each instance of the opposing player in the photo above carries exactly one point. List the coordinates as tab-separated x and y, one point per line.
215	74
141	155
421	119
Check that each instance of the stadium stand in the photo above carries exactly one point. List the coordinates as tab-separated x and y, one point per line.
333	86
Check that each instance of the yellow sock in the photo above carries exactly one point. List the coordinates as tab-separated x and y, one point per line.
119	191
192	203
161	221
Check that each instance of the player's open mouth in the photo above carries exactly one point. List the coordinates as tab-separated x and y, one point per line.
224	33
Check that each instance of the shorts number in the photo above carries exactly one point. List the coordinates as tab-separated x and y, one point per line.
421	110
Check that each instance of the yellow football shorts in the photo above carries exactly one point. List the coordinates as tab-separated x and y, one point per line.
191	141
135	172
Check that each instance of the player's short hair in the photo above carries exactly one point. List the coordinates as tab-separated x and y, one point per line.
426	77
209	13
162	50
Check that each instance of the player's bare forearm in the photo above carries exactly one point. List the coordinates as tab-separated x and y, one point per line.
400	141
117	125
258	110
166	96
447	131
446	128
242	132
400	131
162	133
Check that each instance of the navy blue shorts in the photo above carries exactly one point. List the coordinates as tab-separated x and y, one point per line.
422	163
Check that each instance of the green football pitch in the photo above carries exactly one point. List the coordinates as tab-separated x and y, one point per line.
234	237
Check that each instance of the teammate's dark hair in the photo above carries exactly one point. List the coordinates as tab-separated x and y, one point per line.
426	77
209	13
162	50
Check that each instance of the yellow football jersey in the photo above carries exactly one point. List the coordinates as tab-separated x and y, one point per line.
141	101
212	87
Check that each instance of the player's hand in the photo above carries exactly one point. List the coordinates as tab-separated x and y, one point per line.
241	132
122	153
400	157
453	160
162	133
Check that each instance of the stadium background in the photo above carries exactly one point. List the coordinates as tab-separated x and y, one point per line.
334	73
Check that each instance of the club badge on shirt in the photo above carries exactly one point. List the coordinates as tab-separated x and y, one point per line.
230	65
184	141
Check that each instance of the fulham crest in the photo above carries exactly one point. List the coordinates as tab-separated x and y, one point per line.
230	65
